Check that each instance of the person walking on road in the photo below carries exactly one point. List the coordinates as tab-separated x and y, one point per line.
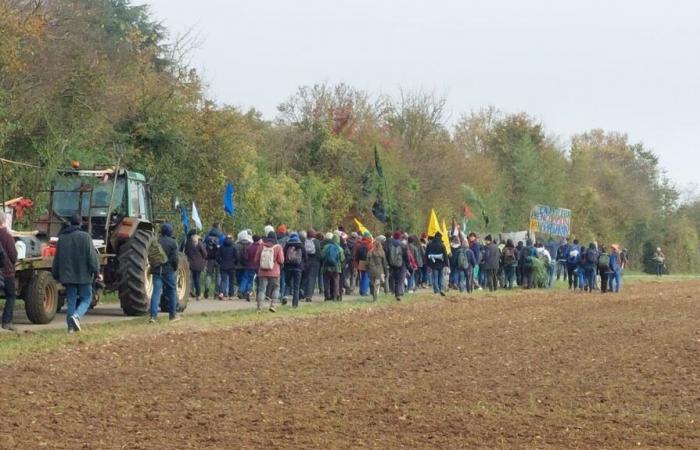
377	266
437	260
227	259
8	255
294	263
197	259
75	266
164	278
270	259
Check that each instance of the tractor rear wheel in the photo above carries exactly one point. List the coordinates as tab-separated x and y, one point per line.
135	284
41	299
182	285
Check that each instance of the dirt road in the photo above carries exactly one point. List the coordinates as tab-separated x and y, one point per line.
551	370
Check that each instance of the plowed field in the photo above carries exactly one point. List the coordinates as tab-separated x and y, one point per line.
552	369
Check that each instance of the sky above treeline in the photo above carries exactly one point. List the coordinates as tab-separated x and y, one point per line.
626	65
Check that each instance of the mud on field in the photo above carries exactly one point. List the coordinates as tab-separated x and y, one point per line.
538	370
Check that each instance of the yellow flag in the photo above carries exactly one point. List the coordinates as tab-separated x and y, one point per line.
446	239
433	225
361	228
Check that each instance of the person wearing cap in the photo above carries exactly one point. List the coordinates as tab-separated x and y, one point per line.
294	263
164	275
75	266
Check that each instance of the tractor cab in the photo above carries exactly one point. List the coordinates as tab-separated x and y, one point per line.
104	198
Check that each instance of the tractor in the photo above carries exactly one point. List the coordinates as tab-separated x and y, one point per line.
116	208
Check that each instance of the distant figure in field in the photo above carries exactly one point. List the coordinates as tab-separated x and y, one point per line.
659	261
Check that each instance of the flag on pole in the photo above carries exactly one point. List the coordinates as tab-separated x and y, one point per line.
445	238
433	225
195	217
185	220
228	199
361	228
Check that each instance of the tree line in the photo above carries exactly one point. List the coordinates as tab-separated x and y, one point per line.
85	80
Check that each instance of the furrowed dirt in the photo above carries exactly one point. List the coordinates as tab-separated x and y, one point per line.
551	369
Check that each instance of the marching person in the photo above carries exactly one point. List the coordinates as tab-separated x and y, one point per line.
197	259
75	266
437	260
164	278
8	272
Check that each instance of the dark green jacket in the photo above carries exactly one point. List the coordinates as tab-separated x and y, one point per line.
76	257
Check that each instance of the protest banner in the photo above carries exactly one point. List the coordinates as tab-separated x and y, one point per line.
552	221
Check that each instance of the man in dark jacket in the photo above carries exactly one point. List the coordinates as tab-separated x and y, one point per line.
525	264
294	263
8	272
75	266
398	262
492	258
437	260
227	258
164	276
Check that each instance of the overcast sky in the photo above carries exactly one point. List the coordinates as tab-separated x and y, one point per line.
624	65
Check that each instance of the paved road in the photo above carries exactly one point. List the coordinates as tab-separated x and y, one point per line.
111	312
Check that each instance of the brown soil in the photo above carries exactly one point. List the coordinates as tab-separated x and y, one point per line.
538	370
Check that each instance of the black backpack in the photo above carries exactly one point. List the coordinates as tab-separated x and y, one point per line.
592	256
362	253
509	256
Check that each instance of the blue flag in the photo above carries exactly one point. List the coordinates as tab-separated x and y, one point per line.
228	199
185	220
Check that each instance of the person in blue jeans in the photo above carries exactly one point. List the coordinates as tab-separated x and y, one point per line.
75	266
164	275
615	271
590	266
437	261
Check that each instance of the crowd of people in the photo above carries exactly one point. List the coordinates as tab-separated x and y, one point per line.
282	266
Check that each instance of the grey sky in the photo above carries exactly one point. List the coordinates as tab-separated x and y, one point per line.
622	65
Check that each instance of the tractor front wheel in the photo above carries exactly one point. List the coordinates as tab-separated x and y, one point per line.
41	299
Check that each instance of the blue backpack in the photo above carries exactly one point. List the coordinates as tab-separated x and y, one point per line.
332	255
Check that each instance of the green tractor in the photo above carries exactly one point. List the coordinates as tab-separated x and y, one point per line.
117	212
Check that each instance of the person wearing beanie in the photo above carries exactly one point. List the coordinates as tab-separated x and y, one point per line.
270	258
164	275
268	229
75	266
244	274
332	259
227	258
294	263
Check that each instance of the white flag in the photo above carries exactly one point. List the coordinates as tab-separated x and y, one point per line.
195	217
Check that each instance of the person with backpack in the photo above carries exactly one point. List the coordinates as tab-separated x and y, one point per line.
197	258
227	259
8	258
590	266
398	263
252	263
294	263
332	257
509	260
270	258
377	266
359	258
526	263
604	269
437	261
573	258
464	263
476	249
309	279
416	260
163	261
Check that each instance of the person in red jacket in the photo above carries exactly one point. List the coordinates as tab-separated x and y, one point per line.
8	272
270	258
